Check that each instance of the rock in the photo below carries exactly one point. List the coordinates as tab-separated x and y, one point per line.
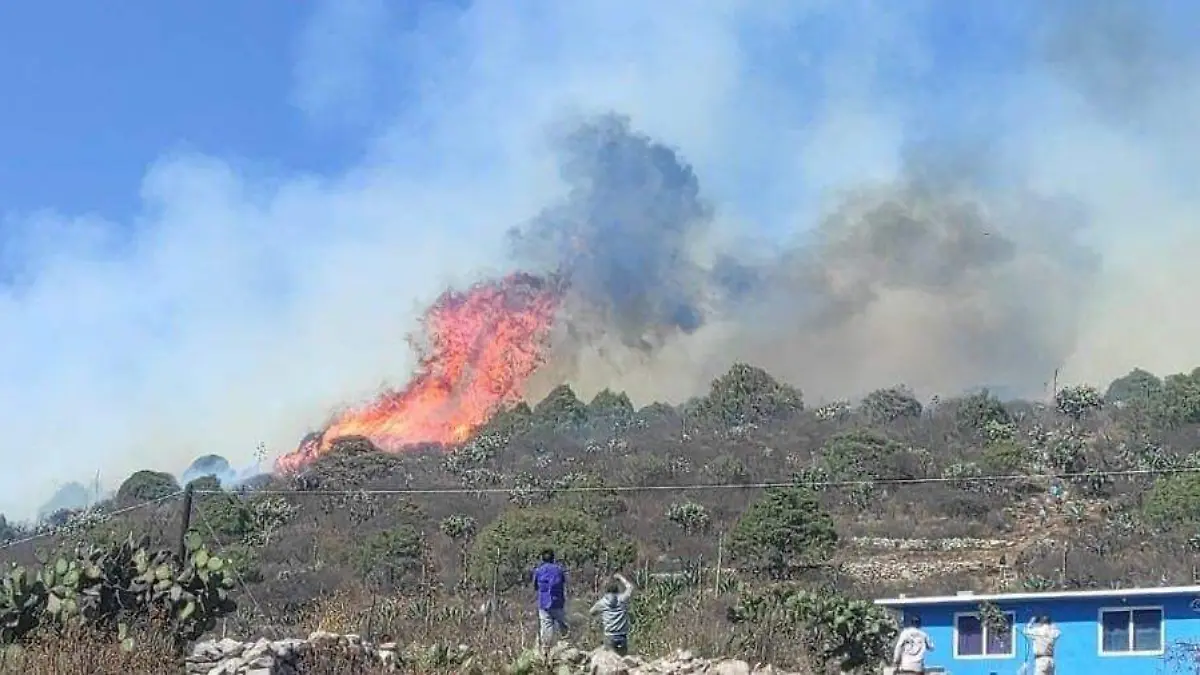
605	662
230	647
322	636
730	667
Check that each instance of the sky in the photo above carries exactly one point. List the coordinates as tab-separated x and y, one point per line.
219	220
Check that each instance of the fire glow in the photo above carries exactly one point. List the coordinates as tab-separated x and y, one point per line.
482	345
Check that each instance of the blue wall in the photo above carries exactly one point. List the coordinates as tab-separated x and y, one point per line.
1077	650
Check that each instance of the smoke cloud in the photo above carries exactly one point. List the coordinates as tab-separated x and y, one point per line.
851	195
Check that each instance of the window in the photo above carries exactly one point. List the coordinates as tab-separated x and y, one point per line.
1136	630
973	638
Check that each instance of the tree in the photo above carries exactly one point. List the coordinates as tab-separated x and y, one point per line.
862	454
1179	401
391	556
145	485
1173	501
509	546
560	409
975	412
784	530
746	395
888	405
205	484
1138	387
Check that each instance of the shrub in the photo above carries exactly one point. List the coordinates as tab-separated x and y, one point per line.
839	632
745	395
1173	501
509	546
391	557
974	413
784	530
561	409
145	486
888	405
1138	387
862	454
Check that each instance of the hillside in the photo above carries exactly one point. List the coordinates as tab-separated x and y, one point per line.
888	496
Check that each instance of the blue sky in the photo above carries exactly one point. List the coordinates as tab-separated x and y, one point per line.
96	93
199	198
120	86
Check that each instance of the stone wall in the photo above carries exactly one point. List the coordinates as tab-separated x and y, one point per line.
282	657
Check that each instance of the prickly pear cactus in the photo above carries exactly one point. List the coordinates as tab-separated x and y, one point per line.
109	587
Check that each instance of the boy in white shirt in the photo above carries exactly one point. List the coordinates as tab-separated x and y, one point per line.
1043	635
911	645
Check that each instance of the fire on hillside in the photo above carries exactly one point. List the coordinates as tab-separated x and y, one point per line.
479	349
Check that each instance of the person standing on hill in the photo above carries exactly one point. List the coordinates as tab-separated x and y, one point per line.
613	609
911	645
550	580
1043	635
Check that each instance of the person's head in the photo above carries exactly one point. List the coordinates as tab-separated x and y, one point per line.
613	586
548	555
914	622
1044	619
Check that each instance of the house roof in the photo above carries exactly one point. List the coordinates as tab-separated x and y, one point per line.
968	596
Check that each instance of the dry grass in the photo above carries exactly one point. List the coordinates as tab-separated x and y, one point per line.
79	650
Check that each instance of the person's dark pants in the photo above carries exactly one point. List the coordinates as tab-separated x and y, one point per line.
617	643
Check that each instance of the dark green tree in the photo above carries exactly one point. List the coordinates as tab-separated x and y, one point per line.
144	486
509	546
887	405
784	531
745	395
392	557
1138	387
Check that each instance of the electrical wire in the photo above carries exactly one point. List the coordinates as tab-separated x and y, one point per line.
728	486
107	514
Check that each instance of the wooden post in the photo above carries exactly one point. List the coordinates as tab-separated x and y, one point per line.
720	552
185	521
1062	573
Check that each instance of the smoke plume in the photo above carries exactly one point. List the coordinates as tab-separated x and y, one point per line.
851	195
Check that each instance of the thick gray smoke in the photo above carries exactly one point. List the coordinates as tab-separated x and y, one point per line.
949	277
622	236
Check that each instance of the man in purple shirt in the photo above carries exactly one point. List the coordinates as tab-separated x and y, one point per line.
550	580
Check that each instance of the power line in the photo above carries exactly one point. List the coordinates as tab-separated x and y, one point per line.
101	515
729	486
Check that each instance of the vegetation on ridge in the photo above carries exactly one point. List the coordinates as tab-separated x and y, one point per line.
1078	505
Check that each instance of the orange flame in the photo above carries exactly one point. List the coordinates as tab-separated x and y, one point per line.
483	345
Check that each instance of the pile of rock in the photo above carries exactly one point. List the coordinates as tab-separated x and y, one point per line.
283	657
604	662
276	657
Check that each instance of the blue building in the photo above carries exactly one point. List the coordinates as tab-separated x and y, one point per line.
1136	631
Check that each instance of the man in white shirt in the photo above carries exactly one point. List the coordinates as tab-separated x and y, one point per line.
911	645
1043	635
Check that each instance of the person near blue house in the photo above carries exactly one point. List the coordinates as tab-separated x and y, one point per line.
550	580
1043	635
908	658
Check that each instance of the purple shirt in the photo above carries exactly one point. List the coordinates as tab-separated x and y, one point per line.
550	579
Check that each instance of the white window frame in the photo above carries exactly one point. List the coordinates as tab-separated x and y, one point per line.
984	629
1162	631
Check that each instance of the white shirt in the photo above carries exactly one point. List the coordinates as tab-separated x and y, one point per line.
910	650
1044	635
